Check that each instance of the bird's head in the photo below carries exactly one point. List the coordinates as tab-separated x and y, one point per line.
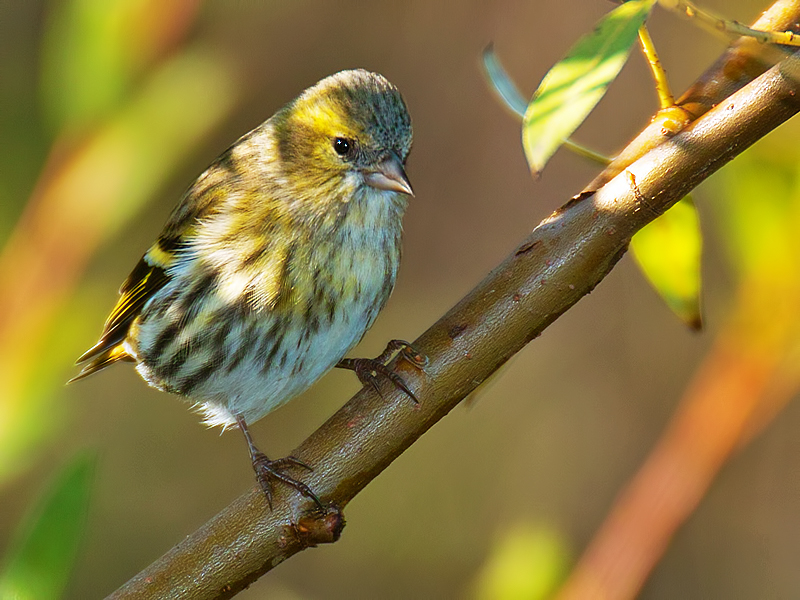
348	131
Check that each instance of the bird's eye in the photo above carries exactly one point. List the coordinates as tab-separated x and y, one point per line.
342	146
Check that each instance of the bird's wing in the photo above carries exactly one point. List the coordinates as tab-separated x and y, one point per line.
153	270
149	276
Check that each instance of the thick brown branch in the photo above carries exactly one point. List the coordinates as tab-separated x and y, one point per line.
564	258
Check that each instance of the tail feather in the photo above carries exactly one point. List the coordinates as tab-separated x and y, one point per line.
145	280
100	359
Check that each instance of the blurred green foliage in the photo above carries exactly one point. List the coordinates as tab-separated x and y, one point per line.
125	102
41	558
526	562
94	51
760	216
124	113
758	212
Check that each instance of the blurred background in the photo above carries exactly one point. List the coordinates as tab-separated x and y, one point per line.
108	111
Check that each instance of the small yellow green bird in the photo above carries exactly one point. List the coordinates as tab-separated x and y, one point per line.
275	262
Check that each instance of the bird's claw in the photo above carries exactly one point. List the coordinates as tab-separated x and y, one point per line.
268	470
368	369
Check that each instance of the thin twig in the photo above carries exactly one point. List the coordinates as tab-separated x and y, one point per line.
665	97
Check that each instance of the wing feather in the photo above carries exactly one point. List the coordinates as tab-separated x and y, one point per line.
149	276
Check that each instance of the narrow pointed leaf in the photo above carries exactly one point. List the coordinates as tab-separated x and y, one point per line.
573	87
668	252
502	84
511	98
41	559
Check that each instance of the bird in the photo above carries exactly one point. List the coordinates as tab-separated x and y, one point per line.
274	264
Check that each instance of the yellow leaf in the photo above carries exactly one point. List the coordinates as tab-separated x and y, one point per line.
669	251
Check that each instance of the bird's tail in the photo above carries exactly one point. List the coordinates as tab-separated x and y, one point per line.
101	357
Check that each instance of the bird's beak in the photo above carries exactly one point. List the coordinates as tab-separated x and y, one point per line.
389	175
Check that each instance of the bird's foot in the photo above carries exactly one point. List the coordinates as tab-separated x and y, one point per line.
368	369
268	471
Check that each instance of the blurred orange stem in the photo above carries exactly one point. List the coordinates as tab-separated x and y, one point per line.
714	417
38	264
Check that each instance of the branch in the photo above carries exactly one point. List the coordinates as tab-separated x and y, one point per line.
562	260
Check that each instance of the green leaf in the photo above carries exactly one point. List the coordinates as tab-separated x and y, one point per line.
509	95
668	251
41	559
573	87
